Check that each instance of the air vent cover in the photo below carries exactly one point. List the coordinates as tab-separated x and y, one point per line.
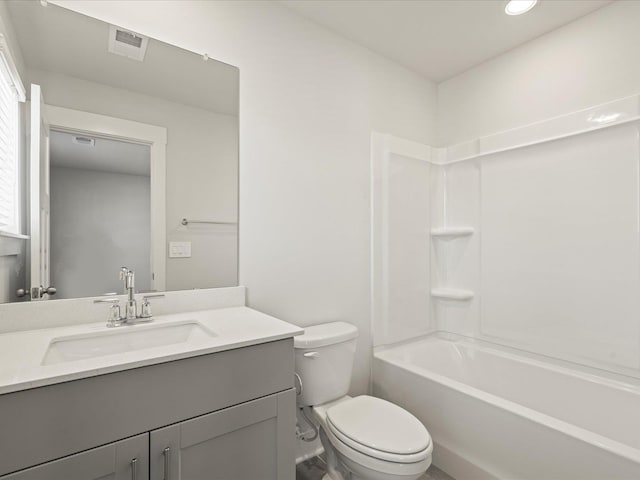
78	140
127	43
128	38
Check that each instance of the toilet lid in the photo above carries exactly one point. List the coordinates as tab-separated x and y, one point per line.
378	425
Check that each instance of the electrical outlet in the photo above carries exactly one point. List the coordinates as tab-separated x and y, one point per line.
179	249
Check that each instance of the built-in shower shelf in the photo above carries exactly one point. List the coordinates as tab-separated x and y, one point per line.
452	294
452	232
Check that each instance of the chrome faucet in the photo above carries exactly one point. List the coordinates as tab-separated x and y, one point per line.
129	278
131	309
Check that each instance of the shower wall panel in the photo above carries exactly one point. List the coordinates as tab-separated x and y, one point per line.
559	248
402	196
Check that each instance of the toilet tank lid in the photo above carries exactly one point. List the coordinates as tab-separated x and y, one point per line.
325	334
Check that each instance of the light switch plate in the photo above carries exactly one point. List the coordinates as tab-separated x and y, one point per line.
179	249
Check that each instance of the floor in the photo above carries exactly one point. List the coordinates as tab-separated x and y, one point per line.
434	473
313	469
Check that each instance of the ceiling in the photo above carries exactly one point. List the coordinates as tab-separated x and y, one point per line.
107	155
58	40
440	38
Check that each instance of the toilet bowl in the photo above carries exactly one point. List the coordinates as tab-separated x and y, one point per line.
365	438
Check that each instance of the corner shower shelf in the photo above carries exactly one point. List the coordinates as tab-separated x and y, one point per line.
452	294
452	232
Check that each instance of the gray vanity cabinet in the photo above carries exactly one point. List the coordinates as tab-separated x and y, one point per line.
249	441
124	460
227	415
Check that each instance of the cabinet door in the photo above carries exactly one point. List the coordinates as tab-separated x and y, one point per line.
124	460
253	440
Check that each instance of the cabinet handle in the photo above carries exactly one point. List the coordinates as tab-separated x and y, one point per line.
134	469
166	453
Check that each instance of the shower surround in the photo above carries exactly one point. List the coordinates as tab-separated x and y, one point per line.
527	240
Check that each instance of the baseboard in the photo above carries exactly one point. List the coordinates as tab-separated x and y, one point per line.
458	467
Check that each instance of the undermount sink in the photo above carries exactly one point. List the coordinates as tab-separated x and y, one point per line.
122	340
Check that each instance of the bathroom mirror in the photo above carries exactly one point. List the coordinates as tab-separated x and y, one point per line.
138	159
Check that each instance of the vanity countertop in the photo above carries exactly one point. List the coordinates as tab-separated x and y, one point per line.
24	357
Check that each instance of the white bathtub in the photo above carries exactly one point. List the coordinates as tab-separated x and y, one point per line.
495	413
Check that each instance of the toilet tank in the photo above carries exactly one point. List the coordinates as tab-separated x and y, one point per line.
324	361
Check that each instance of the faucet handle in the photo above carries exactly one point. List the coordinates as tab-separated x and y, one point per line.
152	295
107	300
146	306
114	319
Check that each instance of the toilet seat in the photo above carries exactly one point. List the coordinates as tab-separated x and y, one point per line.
379	429
353	458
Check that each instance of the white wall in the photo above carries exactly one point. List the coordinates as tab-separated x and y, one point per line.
589	61
100	221
8	31
202	171
309	100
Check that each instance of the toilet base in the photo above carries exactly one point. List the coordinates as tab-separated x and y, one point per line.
333	464
360	472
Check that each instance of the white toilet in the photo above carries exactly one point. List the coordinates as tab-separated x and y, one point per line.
365	438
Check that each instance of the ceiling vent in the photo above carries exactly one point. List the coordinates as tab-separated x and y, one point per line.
78	140
127	43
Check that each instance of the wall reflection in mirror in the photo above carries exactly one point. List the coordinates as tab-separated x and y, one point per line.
120	138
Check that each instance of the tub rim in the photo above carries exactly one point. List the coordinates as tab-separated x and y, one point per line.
588	373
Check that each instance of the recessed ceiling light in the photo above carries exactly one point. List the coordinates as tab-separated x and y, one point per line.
518	7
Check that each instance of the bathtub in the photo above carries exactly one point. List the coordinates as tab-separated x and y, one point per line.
494	412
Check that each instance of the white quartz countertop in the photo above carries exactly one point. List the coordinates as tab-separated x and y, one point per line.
22	354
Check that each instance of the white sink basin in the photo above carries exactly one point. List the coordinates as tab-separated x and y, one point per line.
122	340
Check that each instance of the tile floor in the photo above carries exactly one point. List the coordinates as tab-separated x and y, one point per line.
313	469
434	473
